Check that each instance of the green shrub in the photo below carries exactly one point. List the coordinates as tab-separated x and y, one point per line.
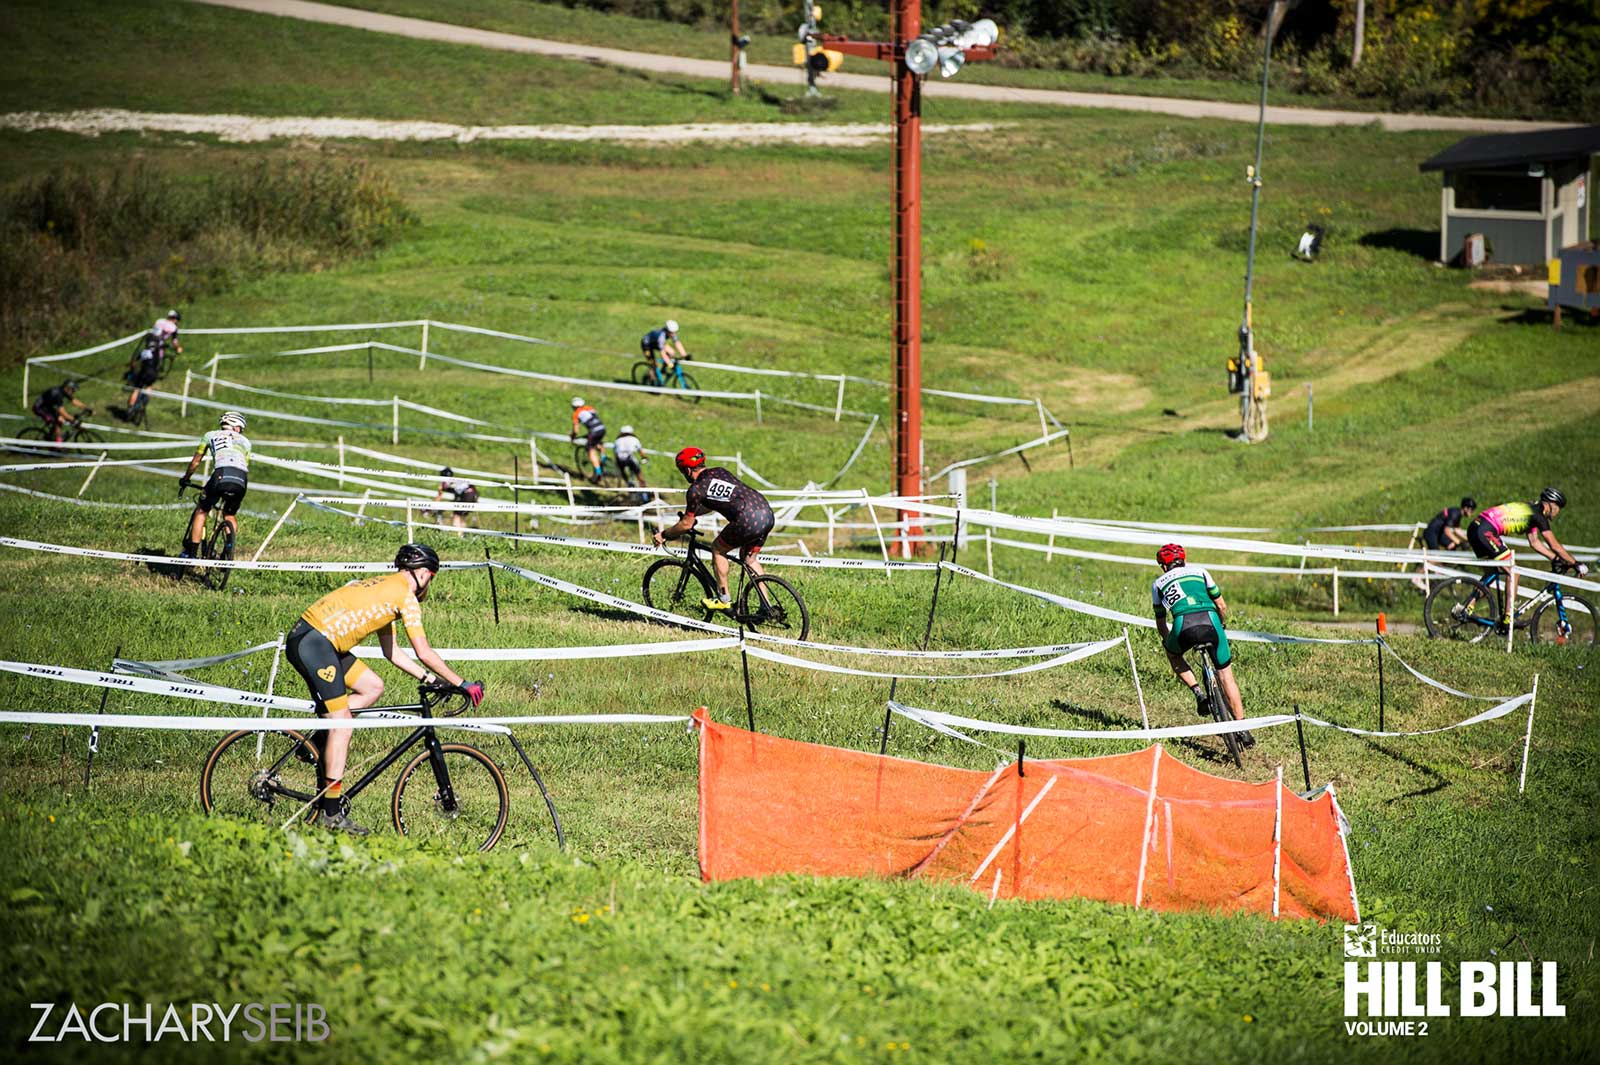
86	255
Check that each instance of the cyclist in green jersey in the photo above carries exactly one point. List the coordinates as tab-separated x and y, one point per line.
1198	612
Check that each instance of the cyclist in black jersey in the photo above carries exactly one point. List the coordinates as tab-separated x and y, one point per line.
51	407
1444	531
748	514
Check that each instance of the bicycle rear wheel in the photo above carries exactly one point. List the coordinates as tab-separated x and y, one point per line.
645	374
1219	705
219	545
458	799
668	587
32	432
1461	608
776	608
260	776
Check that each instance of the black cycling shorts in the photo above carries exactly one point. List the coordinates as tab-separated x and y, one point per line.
1198	629
630	465
1486	543
1433	535
596	436
226	486
145	374
750	533
329	673
468	496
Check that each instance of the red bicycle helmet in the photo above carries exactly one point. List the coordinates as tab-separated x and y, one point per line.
691	458
1170	554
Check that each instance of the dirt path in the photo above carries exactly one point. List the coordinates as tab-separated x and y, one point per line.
423	29
255	128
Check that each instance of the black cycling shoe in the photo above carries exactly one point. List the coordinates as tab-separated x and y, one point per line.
1202	705
339	821
1246	740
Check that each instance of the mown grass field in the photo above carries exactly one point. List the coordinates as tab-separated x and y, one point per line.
1088	259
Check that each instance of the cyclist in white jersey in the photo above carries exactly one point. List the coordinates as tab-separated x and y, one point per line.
630	456
229	450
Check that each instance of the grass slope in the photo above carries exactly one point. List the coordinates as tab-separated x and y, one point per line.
1105	283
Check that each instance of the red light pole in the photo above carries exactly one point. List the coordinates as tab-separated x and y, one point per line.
907	257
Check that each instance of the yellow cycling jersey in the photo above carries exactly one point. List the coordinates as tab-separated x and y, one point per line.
361	608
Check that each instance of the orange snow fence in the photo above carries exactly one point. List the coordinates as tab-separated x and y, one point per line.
1141	829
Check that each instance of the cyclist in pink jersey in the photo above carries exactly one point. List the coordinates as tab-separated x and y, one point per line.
1487	530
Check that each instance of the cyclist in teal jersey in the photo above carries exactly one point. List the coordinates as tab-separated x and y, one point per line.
1198	611
1522	519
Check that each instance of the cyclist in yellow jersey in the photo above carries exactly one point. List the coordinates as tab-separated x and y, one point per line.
1517	519
319	648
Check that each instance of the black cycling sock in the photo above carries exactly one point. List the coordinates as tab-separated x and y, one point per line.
189	546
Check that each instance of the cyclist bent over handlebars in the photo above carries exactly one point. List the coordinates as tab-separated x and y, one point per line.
320	645
747	511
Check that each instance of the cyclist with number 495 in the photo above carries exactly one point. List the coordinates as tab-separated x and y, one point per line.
748	514
320	645
1198	613
1517	519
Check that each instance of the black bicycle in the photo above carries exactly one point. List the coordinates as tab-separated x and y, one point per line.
776	608
449	793
214	546
1217	701
72	430
1470	609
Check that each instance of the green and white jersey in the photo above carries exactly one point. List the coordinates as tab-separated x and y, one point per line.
229	450
1184	590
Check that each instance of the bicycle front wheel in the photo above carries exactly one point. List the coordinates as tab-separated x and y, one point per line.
457	798
1460	608
1219	706
673	585
1576	629
87	436
260	776
686	380
770	604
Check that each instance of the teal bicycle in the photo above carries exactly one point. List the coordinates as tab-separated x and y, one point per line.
645	372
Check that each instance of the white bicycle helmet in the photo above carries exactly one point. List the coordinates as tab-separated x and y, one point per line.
672	327
627	430
232	420
577	401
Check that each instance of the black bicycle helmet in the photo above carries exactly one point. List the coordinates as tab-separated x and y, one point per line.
417	556
69	387
447	472
1468	503
1553	495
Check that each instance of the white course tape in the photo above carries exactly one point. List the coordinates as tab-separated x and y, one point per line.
179	665
173	560
372	720
210	693
1409	668
933	718
1123	618
94	502
1036	442
29	467
1081	652
553	654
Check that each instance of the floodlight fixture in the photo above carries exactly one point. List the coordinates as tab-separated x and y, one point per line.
922	55
950	60
979	34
